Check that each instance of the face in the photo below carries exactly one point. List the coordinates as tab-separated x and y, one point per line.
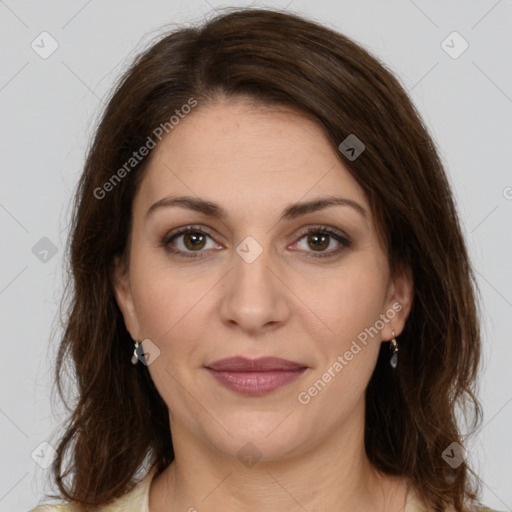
257	276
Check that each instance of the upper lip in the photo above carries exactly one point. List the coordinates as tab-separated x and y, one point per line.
262	364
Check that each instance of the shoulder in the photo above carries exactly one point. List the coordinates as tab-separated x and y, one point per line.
135	500
414	504
477	507
51	508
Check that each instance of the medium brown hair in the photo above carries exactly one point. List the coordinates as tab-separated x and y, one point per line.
119	422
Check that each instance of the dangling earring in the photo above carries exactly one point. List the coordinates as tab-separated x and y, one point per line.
393	361
135	358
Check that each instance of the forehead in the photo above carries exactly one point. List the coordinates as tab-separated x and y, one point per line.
245	155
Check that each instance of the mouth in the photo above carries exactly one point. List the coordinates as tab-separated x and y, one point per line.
255	377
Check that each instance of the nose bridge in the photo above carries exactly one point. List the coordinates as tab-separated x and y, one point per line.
251	266
254	298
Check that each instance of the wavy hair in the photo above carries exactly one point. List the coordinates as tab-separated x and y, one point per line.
118	422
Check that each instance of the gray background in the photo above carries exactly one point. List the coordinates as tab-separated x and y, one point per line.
48	110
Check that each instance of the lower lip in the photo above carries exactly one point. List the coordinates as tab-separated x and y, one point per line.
255	383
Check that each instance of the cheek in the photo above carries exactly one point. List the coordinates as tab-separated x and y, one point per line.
167	301
346	354
347	302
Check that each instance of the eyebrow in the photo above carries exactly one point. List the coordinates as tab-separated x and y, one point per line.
291	212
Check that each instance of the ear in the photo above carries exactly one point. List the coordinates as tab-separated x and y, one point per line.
399	302
120	279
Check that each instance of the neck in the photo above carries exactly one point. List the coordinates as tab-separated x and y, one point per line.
335	475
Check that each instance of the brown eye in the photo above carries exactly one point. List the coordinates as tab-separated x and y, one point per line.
189	242
194	240
318	242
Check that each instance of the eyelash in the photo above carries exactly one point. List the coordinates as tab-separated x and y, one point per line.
338	236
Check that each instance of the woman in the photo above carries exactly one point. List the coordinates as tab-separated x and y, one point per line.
273	304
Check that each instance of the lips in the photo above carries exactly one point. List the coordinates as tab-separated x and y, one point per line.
262	364
255	376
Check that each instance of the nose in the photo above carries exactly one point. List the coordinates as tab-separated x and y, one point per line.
256	298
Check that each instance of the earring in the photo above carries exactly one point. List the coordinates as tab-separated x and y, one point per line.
394	352
135	358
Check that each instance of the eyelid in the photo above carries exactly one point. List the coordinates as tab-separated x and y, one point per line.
322	228
343	240
189	228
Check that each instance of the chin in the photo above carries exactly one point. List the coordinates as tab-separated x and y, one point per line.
265	436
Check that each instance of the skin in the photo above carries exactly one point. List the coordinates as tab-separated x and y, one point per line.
255	161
